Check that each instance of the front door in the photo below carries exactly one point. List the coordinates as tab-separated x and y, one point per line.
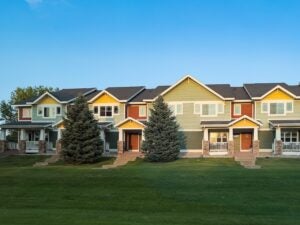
134	141
246	141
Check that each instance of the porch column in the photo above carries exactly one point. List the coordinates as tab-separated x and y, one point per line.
205	143
22	141
230	142
42	142
58	141
2	140
255	146
278	143
143	135
120	142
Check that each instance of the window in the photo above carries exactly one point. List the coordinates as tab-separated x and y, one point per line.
237	109
46	112
96	109
176	108
142	111
40	111
106	111
26	113
208	110
276	108
289	106
220	108
58	110
218	137
289	136
264	107
197	108
116	110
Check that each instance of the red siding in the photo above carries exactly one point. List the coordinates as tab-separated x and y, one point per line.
133	111
246	109
21	115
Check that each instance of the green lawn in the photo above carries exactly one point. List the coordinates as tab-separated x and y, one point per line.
189	191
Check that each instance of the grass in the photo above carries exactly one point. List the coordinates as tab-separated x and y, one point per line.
188	191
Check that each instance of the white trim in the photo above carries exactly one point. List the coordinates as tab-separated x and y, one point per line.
42	96
242	101
145	110
234	109
128	119
101	93
275	88
265	150
189	130
175	104
196	81
245	117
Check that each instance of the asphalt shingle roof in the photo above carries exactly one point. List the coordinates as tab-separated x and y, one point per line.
124	93
149	93
222	89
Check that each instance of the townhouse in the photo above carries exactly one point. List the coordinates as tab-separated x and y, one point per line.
218	119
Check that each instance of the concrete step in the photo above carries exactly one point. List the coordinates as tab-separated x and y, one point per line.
123	159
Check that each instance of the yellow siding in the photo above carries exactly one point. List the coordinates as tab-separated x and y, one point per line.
48	100
244	123
189	90
131	125
278	95
105	98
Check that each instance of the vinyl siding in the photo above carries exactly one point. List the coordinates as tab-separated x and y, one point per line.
115	118
112	139
193	140
36	118
264	117
266	138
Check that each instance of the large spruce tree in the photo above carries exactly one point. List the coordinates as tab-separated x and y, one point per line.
81	141
162	141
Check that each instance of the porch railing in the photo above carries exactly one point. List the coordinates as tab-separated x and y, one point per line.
291	147
12	146
32	145
218	147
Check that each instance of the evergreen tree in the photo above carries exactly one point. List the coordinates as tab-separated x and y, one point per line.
162	141
81	141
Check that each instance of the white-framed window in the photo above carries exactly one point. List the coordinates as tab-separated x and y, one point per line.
289	107
208	109
176	108
26	112
237	109
277	108
218	137
220	108
264	107
142	111
289	136
197	108
106	110
49	111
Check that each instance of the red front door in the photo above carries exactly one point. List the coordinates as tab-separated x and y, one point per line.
134	142
246	139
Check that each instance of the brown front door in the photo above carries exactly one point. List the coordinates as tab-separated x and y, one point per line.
134	142
246	141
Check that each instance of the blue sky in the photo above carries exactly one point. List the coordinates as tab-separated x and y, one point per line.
95	43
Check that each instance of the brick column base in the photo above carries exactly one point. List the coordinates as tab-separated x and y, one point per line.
278	147
22	146
3	146
42	147
58	147
256	148
205	147
120	147
231	148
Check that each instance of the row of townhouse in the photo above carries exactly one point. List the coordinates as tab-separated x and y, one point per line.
263	118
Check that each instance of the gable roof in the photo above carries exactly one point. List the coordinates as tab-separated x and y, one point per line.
196	81
240	93
149	94
124	93
63	95
224	90
247	118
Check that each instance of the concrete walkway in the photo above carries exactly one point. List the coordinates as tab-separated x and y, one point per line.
123	159
247	160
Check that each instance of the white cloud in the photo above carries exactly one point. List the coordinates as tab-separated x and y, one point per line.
33	3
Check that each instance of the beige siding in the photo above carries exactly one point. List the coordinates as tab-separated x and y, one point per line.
189	90
264	117
189	120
